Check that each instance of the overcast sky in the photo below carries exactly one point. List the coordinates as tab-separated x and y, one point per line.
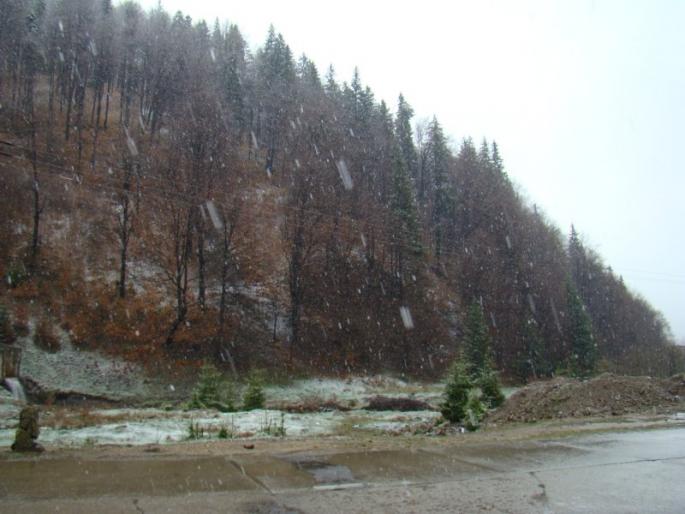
586	100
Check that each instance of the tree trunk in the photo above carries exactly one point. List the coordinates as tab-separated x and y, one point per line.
201	287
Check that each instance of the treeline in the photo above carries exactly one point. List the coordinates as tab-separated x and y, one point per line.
172	194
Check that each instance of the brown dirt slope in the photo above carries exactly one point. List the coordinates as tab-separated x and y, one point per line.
605	395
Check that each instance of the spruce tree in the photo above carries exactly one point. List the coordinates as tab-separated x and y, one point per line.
457	390
212	392
496	159
478	357
583	347
476	342
533	361
254	394
403	204
438	156
404	136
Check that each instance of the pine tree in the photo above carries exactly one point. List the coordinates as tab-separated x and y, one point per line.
254	394
533	361
456	392
496	159
478	358
403	206
331	86
484	158
405	139
212	392
476	342
491	390
577	259
583	347
437	169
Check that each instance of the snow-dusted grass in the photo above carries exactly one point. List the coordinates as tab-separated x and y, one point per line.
154	426
396	422
78	426
352	389
93	373
86	372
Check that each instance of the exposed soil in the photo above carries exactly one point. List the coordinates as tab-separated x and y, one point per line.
383	403
605	395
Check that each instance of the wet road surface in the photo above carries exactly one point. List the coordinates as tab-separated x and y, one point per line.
613	472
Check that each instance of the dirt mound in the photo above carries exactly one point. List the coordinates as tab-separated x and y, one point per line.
605	395
312	404
676	385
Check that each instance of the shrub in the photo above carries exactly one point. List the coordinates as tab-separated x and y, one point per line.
254	394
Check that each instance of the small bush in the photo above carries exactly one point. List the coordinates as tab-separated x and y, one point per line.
254	394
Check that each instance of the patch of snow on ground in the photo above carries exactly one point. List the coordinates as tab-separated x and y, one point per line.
80	371
397	421
353	388
156	430
9	410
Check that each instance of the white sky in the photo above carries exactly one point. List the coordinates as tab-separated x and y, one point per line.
586	99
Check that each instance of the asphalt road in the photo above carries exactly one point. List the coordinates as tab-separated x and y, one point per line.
637	471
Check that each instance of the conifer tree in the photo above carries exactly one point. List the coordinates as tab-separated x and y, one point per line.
456	392
583	347
254	394
496	159
478	358
331	86
212	392
405	139
403	206
438	170
484	157
476	342
533	361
